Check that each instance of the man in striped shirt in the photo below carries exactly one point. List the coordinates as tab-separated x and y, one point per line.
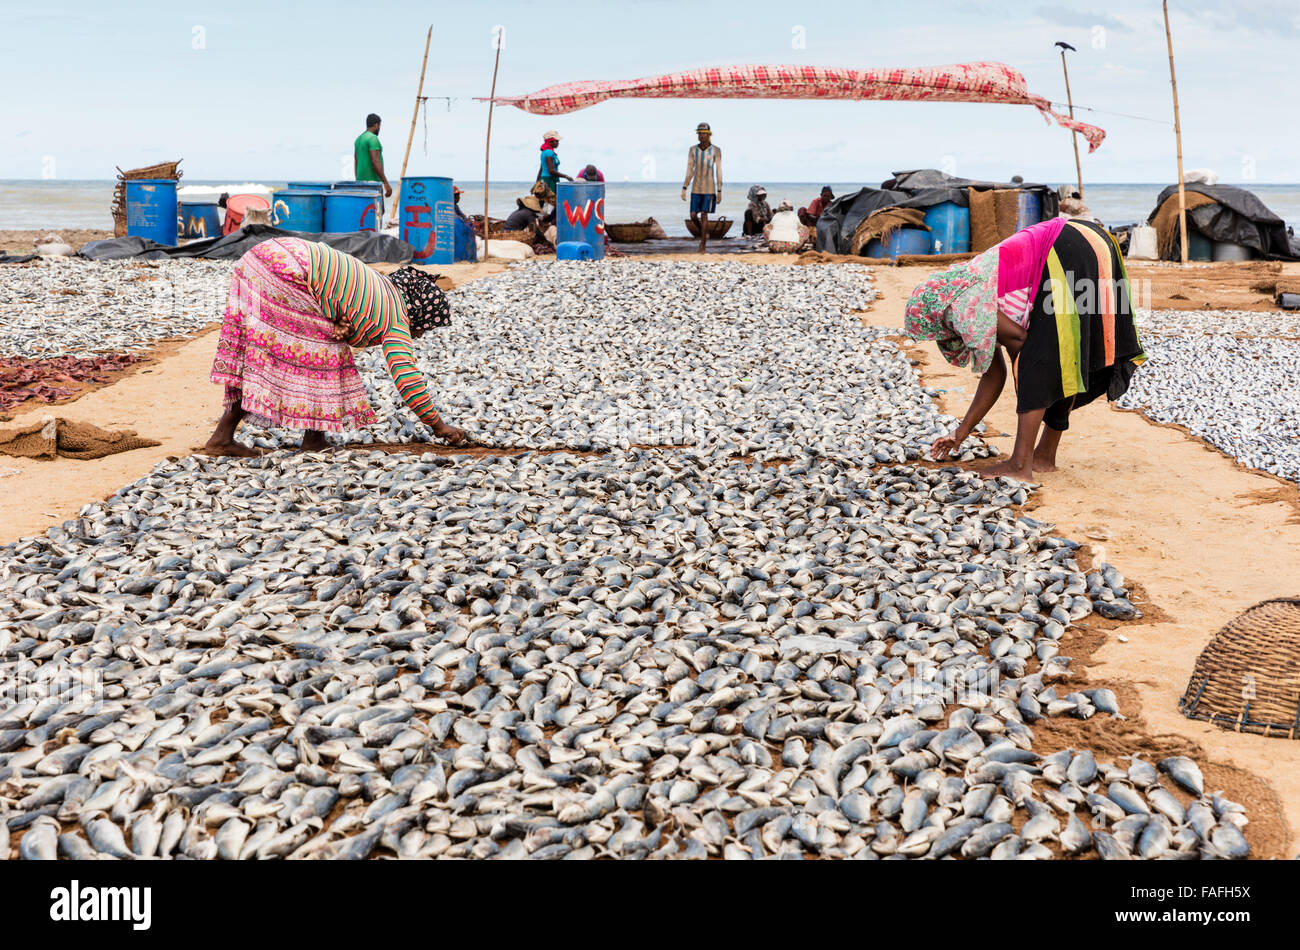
704	180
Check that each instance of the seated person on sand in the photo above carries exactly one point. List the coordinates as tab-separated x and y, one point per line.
784	233
810	214
759	212
1068	345
526	214
294	310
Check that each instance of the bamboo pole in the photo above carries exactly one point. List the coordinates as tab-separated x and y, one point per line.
1178	136
487	149
1074	136
419	92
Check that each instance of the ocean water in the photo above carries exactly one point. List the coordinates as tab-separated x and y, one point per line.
54	204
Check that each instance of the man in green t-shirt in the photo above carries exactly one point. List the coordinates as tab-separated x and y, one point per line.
368	155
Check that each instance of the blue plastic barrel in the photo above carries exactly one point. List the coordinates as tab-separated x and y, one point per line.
1199	247
198	219
375	186
299	209
309	185
902	241
949	225
151	209
347	211
1029	209
580	215
426	215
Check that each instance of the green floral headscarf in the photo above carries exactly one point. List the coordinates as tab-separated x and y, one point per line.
957	308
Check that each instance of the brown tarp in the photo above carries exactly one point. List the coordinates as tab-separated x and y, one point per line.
76	440
882	224
1165	222
992	217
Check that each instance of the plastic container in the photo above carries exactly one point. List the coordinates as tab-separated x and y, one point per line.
1199	247
198	219
151	209
1142	243
299	209
426	215
949	225
237	206
1029	209
1226	251
309	185
574	251
349	211
580	217
902	241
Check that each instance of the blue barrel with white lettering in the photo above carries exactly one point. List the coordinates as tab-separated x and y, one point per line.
426	214
949	225
1028	209
296	209
580	215
198	219
151	209
347	211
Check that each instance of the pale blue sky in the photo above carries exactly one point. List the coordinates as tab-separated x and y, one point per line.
279	91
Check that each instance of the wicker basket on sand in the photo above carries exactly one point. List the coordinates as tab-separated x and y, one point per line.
1247	678
628	233
161	170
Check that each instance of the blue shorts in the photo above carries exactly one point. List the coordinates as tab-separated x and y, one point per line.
703	204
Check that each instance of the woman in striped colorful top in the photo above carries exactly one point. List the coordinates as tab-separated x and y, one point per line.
293	311
1055	296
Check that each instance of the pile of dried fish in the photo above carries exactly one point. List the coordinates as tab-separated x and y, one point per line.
763	361
67	306
1233	379
648	654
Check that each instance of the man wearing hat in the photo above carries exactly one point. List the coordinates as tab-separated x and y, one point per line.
549	173
703	180
525	215
455	197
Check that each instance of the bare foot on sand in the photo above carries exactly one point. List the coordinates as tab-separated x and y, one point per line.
230	450
1009	469
1044	464
314	442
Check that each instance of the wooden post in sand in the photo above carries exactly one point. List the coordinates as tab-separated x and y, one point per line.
487	146
1178	137
1074	136
419	95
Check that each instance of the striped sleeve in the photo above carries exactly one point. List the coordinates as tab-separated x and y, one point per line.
406	374
367	304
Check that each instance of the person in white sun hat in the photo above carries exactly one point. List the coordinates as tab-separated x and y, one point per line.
703	180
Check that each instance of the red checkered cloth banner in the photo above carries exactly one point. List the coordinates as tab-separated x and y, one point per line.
963	82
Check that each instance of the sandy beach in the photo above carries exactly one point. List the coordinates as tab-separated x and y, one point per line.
1186	525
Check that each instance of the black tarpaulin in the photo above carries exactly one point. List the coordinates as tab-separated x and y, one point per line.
1239	217
923	188
364	245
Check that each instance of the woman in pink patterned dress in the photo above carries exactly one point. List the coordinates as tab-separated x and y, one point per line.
294	310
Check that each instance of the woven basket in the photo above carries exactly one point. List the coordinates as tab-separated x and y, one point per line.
1247	678
628	233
